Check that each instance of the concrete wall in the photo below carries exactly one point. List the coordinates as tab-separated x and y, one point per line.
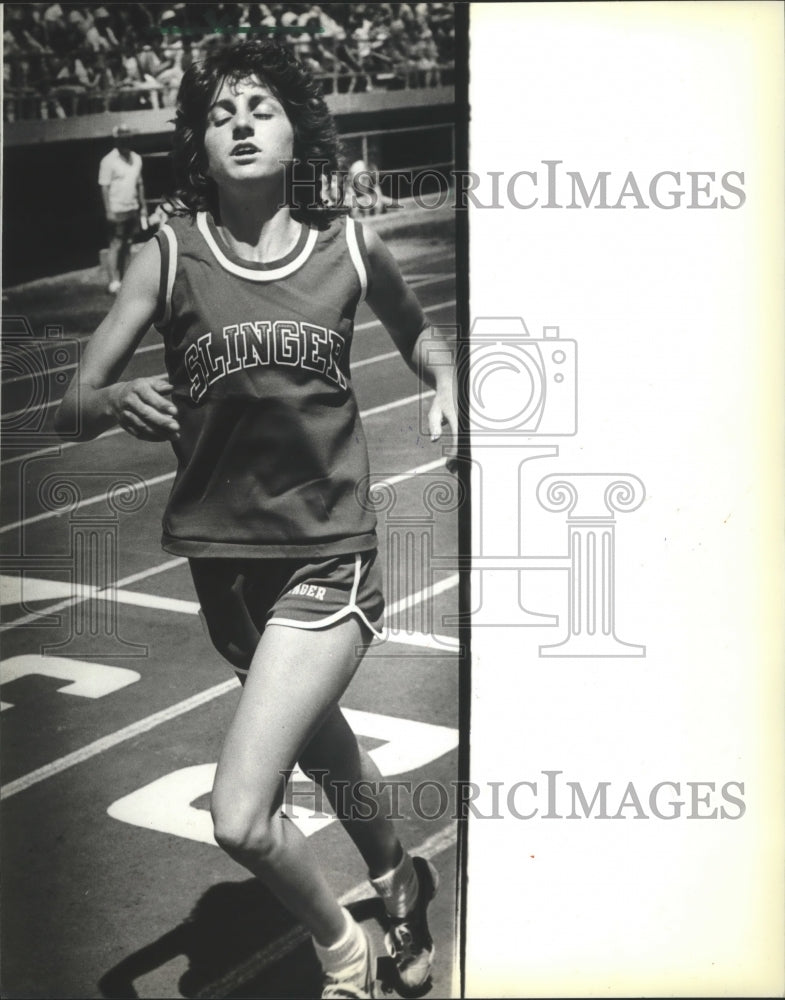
26	133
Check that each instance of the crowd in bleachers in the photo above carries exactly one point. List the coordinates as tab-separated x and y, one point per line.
64	59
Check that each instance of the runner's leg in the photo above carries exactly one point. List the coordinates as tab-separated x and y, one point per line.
295	679
334	749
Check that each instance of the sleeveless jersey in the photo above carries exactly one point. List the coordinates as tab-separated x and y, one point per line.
271	445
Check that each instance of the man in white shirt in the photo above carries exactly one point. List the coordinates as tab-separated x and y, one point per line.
120	179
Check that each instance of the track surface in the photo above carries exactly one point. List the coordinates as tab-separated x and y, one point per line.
114	703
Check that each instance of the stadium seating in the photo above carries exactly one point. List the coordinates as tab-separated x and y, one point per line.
63	60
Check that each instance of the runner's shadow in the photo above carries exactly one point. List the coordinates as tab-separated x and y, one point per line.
239	942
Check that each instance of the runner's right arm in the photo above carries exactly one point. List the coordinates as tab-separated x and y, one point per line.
96	400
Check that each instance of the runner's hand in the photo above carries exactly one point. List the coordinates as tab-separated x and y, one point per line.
443	413
143	409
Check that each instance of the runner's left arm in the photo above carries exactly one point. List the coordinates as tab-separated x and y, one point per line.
399	310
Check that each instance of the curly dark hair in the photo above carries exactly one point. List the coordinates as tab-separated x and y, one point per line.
316	145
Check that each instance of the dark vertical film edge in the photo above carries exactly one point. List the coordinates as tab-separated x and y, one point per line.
464	469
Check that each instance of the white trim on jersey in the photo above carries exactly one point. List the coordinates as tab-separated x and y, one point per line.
357	257
271	274
171	239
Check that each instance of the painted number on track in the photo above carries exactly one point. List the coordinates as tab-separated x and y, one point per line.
166	804
87	680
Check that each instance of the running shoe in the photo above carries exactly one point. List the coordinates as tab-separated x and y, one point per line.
408	941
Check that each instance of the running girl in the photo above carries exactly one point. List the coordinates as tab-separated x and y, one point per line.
254	291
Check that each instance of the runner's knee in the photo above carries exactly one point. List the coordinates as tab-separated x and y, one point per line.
247	835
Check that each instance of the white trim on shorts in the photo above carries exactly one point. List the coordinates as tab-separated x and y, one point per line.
351	608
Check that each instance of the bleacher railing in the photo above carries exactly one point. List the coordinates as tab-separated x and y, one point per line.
25	102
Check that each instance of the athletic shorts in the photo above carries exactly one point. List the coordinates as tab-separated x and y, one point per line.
240	597
123	226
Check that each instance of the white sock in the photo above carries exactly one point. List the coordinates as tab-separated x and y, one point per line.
348	952
398	888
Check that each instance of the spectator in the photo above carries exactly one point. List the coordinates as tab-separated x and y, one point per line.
350	46
106	81
71	82
426	58
53	14
135	78
148	62
122	190
349	57
172	72
33	30
100	36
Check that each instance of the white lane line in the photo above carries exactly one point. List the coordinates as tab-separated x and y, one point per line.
254	966
158	346
20	589
55	449
56	402
126	581
83	594
428	467
176	605
179	606
429	278
155	480
39	589
423	595
374	359
422	640
114	739
46	371
142	600
151	347
87	502
399	402
180	708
